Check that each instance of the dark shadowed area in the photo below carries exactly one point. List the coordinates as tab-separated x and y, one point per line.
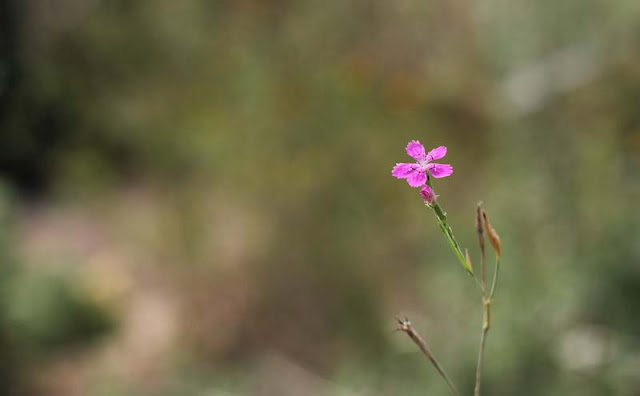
196	196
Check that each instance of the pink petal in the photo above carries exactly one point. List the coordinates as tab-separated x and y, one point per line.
428	196
417	178
402	171
436	153
415	149
440	170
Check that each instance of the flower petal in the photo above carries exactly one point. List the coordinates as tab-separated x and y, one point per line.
402	171
417	178
440	170
437	153
415	149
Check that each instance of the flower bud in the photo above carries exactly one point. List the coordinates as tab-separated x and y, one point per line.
428	196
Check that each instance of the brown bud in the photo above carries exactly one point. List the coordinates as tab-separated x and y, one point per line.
479	213
493	235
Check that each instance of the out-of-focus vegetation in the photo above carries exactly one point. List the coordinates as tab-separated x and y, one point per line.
196	195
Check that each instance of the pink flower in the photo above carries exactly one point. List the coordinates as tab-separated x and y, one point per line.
428	196
416	173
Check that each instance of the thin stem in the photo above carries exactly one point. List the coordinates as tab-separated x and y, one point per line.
486	324
483	339
448	233
486	302
441	216
405	325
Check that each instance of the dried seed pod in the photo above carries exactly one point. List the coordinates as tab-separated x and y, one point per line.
493	235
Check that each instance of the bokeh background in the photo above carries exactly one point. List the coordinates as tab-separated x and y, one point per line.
196	199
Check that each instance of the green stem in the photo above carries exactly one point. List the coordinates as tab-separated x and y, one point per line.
441	216
486	303
483	339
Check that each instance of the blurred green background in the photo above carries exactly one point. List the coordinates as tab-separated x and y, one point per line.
196	199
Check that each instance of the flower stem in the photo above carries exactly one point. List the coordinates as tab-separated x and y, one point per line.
405	325
486	323
448	233
441	216
486	300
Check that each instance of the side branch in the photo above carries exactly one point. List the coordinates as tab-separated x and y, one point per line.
487	294
405	325
485	300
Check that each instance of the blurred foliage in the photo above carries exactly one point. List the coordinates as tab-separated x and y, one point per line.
47	314
206	185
